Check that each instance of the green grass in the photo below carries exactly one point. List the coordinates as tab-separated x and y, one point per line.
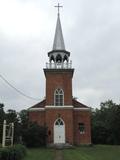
97	152
40	154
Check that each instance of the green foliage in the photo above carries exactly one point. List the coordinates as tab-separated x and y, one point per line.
23	129
106	124
34	135
20	152
29	129
12	116
4	153
16	152
24	120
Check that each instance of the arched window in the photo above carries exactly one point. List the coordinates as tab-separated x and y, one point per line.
52	58
65	58
59	122
58	58
59	97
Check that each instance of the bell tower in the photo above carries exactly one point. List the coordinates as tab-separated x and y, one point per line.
59	71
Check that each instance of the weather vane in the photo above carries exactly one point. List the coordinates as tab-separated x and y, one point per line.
58	6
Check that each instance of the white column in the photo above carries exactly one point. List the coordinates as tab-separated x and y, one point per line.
12	136
4	133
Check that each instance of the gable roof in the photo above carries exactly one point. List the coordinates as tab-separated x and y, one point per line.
40	104
75	103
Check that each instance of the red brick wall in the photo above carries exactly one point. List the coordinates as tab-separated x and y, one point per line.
37	116
67	116
59	79
62	79
71	119
82	117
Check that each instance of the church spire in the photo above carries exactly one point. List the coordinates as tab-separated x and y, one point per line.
58	39
58	57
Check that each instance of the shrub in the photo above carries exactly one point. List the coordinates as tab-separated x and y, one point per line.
34	135
16	152
4	154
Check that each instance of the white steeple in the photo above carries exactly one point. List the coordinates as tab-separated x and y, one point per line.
58	57
58	39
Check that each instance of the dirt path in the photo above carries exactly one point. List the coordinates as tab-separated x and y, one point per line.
58	155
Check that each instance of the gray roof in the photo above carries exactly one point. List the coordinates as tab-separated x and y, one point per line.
58	39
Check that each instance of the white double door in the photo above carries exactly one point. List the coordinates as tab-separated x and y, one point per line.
59	131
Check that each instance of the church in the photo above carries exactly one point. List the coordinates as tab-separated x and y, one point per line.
68	121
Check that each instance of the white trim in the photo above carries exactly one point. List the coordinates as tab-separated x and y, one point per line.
55	95
36	109
57	120
82	132
54	132
82	109
58	107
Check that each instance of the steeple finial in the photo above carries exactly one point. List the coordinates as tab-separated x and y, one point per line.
58	6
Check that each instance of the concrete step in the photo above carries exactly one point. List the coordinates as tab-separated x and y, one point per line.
59	145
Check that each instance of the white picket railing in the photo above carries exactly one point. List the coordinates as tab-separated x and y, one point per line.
59	65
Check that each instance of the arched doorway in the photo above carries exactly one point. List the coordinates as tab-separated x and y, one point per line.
59	131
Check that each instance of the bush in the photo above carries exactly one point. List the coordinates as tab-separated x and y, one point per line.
16	152
34	135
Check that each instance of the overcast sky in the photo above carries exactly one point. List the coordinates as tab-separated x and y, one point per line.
91	30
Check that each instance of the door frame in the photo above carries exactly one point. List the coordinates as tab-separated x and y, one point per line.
54	128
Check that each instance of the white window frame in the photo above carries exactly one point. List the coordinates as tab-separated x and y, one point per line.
59	97
82	131
61	120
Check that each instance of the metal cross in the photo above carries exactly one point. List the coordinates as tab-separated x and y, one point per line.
58	6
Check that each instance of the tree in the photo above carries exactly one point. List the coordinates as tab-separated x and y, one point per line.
11	116
23	117
106	123
24	121
27	132
33	135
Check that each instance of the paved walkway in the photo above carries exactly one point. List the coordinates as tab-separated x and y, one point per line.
58	155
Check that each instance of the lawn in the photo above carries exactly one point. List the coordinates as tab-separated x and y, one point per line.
97	152
40	154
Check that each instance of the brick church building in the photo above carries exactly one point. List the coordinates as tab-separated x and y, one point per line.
68	121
